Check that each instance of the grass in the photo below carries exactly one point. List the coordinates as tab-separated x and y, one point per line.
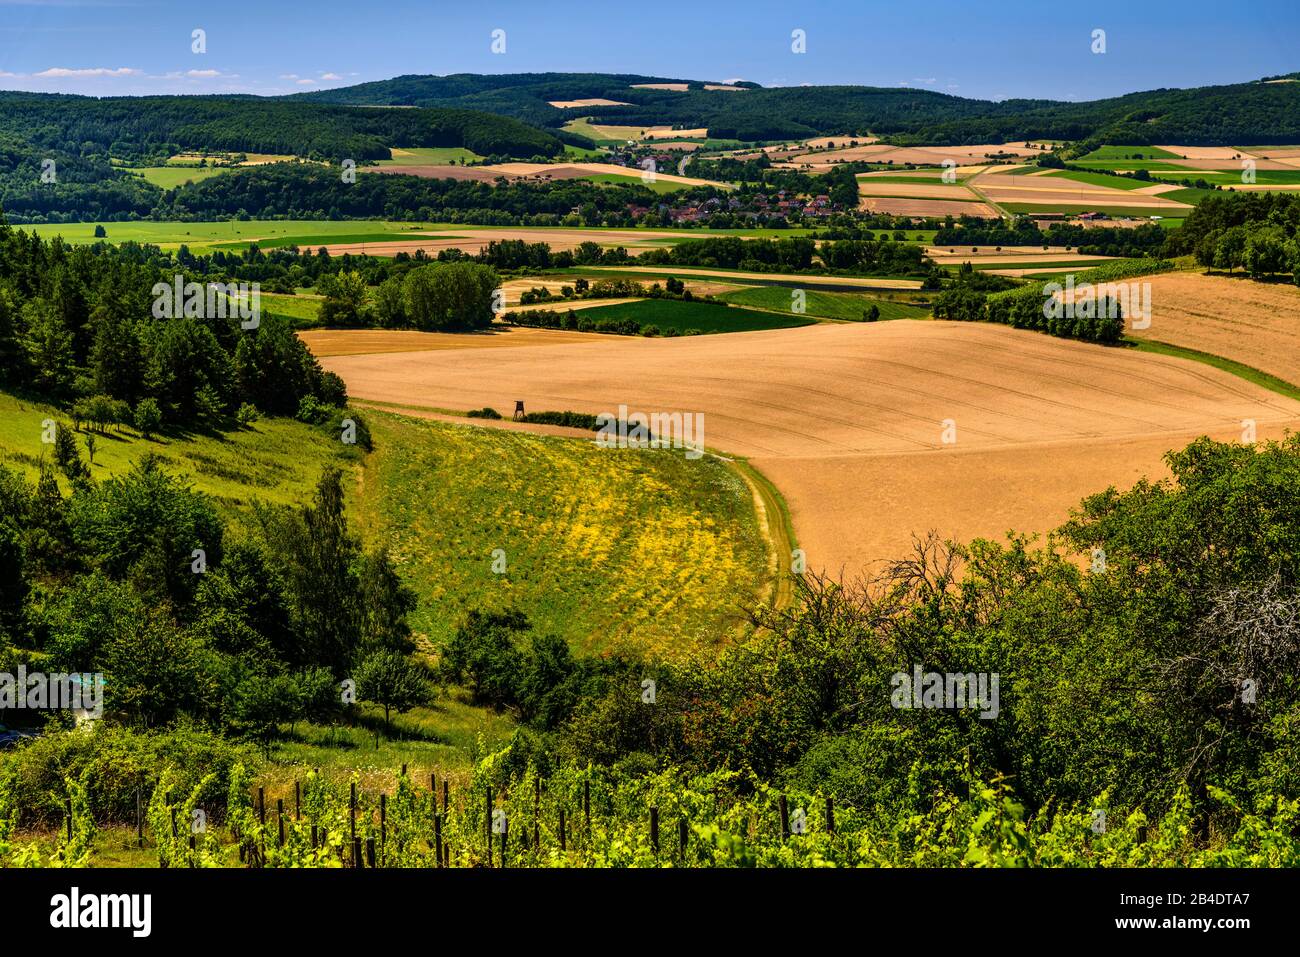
824	305
430	156
274	460
572	152
1117	212
608	548
657	185
683	316
1121	152
445	733
1273	177
169	177
1098	179
301	311
1249	373
205	237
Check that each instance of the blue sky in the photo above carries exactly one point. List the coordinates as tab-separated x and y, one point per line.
993	50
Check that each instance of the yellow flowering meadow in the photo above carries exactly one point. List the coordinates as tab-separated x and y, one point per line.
610	548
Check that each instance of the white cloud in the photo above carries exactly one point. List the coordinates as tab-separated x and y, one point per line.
288	76
202	73
306	81
330	76
61	71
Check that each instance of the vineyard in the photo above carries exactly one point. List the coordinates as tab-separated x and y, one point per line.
595	818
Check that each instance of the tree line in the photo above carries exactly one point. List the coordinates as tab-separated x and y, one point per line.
79	322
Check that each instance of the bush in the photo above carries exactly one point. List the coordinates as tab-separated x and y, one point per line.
113	763
148	417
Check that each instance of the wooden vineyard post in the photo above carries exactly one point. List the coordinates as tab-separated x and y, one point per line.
563	840
654	829
297	800
352	813
437	820
356	852
830	815
489	825
370	853
437	833
445	795
279	815
505	833
261	817
383	825
785	819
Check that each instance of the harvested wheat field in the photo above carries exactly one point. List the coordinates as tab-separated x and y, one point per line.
538	171
985	255
897	206
917	190
579	104
349	342
673	87
473	239
848	420
902	155
1206	152
781	278
1254	323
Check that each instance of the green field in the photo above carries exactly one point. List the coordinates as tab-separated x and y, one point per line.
169	177
301	311
430	156
657	185
1099	179
203	237
684	316
605	135
609	548
572	152
274	460
1278	177
1118	212
1114	153
824	305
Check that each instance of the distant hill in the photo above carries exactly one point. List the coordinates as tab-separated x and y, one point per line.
1257	112
145	125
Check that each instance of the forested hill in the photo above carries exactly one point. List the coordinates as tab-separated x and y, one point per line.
1237	114
139	127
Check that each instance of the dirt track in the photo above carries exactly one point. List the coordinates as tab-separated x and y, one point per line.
848	420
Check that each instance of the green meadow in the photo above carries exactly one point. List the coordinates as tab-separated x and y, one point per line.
824	305
272	460
169	177
682	316
431	156
656	552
